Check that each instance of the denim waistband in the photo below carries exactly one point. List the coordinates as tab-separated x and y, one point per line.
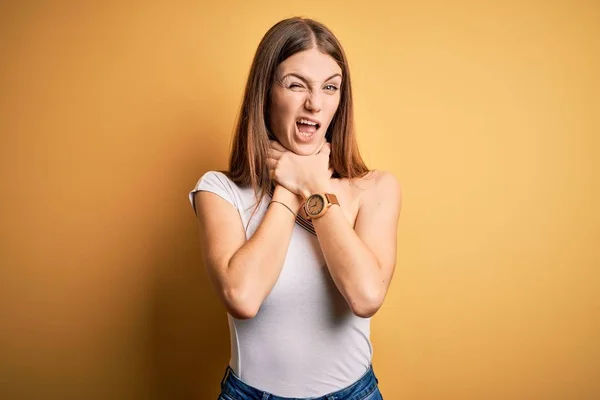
234	387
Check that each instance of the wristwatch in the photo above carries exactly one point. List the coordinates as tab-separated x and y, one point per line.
316	205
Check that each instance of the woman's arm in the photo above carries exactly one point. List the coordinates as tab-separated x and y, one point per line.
242	271
362	260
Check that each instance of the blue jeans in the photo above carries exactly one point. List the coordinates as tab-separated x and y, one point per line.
232	388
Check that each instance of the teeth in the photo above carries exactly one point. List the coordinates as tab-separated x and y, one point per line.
307	122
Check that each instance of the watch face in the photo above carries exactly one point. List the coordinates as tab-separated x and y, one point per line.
314	204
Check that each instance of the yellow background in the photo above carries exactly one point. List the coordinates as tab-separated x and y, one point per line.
487	112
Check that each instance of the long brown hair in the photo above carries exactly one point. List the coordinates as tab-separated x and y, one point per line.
248	160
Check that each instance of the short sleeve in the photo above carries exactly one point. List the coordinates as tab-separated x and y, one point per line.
217	183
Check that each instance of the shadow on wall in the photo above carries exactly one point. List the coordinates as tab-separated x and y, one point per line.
189	345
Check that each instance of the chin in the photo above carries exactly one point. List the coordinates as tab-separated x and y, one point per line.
304	149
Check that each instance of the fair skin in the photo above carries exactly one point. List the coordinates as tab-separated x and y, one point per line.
358	238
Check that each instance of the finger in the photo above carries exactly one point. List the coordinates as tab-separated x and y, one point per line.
271	163
275	154
272	174
275	145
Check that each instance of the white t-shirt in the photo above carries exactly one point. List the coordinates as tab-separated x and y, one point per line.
304	341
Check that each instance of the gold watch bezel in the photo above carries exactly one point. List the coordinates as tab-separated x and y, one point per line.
328	199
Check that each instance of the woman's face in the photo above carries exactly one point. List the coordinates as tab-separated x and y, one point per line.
304	99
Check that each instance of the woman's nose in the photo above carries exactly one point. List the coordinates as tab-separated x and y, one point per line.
314	102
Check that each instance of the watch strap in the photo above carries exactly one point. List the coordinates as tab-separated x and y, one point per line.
331	199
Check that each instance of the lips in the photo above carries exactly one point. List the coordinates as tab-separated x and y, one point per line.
307	124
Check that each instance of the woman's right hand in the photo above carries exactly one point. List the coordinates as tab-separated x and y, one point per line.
302	175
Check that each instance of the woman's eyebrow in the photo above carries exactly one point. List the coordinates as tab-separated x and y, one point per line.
306	80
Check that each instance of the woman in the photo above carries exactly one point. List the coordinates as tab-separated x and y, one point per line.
299	237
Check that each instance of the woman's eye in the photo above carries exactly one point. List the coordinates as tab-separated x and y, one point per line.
295	86
331	88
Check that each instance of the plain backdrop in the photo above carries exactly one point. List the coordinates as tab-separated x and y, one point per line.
487	112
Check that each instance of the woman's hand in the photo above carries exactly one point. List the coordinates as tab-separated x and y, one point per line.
302	175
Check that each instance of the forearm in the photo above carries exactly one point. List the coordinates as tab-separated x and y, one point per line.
254	269
353	267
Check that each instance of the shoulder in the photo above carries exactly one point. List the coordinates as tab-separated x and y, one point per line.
220	183
216	175
215	178
216	182
378	185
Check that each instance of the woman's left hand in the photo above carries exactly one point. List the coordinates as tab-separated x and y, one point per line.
302	175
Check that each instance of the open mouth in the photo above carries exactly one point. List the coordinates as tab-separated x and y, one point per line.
307	128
